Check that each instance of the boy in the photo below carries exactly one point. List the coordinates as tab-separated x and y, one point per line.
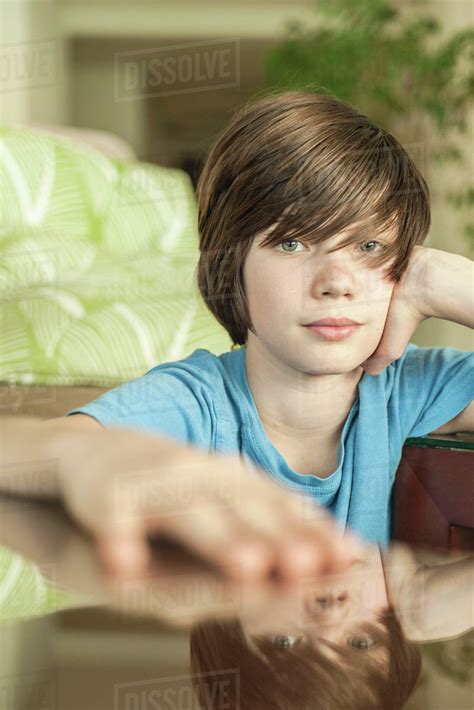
308	171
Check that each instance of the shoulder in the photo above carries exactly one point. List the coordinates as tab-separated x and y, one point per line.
200	366
428	387
200	377
177	384
425	369
426	362
180	398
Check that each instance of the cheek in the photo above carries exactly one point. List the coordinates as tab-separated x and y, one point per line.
267	312
373	594
269	292
380	294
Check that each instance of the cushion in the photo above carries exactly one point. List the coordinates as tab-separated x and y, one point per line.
98	265
26	593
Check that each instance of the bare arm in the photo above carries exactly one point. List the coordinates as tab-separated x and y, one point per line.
35	453
123	485
29	459
449	606
449	291
433	602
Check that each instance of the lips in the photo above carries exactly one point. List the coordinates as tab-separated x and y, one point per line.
334	322
333	328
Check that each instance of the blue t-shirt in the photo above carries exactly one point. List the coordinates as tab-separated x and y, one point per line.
205	400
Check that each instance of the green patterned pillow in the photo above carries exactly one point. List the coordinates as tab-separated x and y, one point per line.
97	273
25	592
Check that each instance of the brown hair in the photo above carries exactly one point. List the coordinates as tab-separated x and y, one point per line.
303	677
316	167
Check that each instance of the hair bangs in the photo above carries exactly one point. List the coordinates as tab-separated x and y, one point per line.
378	227
365	193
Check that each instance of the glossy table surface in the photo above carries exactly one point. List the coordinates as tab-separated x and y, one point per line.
183	594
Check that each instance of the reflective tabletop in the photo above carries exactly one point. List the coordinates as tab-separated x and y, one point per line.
395	630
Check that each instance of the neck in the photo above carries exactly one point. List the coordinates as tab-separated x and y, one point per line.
295	404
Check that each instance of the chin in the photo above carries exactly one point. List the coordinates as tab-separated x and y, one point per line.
332	368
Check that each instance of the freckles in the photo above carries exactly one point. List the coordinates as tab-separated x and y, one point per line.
374	281
380	290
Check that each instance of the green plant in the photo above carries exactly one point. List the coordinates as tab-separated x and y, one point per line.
395	66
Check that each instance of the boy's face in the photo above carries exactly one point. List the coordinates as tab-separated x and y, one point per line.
336	608
295	283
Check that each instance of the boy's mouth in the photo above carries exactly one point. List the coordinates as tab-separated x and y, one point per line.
333	332
333	322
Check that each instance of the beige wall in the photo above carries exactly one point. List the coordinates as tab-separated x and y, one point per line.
33	63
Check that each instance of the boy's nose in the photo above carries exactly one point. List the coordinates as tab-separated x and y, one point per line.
334	280
326	606
329	600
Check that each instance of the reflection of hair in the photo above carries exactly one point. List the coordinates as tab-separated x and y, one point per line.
303	677
318	167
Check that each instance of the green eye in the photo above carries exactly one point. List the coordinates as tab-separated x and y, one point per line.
372	242
284	641
289	241
361	643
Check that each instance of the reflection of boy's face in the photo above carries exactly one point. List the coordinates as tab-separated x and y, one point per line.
296	283
334	609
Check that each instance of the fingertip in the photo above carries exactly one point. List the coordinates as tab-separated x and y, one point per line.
299	558
250	560
353	545
347	554
124	558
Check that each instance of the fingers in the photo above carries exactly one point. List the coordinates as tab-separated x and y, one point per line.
403	318
301	545
260	533
220	537
121	541
123	554
259	530
291	514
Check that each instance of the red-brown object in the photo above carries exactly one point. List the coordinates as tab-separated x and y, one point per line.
433	497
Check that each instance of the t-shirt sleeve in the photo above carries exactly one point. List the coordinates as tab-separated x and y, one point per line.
167	400
431	387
